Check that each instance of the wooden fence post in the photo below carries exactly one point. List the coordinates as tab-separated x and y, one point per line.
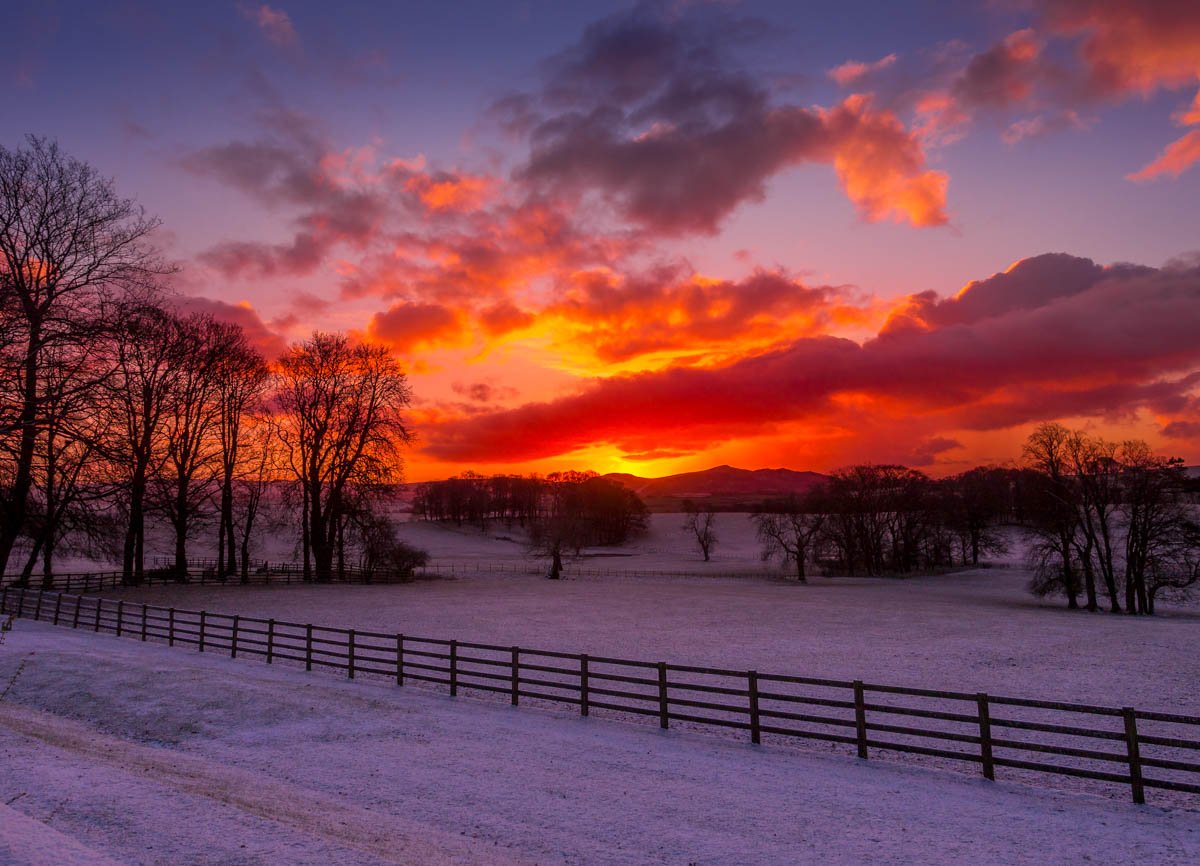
985	737
75	617
308	647
755	726
203	617
98	603
171	626
57	607
350	655
270	641
233	635
516	675
663	708
143	623
453	668
399	659
583	685
37	608
4	599
860	718
120	616
1135	755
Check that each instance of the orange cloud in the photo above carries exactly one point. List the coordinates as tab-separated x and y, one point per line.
450	192
852	70
882	167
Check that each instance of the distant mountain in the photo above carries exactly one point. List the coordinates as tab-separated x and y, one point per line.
727	485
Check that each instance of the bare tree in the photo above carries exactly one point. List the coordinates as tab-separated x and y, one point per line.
192	414
788	529
1055	513
242	377
339	409
147	358
700	521
67	242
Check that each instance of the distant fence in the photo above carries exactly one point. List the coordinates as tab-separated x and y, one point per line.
1123	746
204	572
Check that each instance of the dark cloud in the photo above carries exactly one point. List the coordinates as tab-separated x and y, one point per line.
649	112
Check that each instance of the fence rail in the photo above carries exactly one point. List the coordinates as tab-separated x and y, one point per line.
1123	746
205	572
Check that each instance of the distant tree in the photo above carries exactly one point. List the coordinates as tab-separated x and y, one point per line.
700	521
788	529
1054	512
973	504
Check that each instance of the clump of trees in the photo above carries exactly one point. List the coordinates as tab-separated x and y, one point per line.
115	408
885	519
1109	518
562	512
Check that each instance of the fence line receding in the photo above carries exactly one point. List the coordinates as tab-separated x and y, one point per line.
1124	746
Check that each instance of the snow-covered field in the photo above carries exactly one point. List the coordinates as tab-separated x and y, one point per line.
976	630
117	751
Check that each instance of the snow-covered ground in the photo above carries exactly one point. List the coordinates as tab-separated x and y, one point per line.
117	751
971	631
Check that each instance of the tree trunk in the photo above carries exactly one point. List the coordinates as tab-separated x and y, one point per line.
22	478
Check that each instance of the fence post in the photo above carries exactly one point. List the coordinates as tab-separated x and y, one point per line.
4	599
233	636
270	641
21	603
120	616
143	622
860	718
37	608
350	655
75	617
1135	756
583	685
985	737
99	601
516	675
308	647
663	721
453	668
171	626
399	659
57	607
203	617
752	687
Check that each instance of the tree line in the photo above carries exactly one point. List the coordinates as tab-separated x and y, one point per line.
1108	522
116	407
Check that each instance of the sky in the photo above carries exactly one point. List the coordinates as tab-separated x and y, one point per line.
659	237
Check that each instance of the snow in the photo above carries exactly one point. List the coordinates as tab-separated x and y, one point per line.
145	754
973	631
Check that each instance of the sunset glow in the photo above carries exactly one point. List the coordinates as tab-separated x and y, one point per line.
662	237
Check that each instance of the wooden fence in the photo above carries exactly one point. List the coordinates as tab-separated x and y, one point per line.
203	572
1123	746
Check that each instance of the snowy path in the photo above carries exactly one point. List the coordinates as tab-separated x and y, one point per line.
151	755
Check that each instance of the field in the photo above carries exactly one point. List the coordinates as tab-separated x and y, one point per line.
974	630
144	754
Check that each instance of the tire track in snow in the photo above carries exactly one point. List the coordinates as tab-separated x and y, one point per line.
386	836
